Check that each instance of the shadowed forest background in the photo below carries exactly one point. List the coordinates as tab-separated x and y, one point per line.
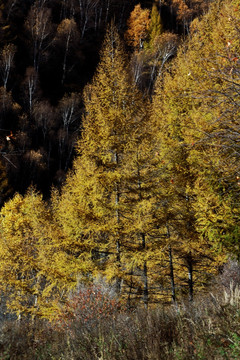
120	177
50	50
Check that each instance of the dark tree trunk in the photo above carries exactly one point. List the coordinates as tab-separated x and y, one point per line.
145	275
190	278
173	289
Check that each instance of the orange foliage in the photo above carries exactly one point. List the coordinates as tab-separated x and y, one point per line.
138	25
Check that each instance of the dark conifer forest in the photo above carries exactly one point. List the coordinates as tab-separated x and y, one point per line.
120	175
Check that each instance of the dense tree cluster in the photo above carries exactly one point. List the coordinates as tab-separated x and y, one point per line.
151	202
49	51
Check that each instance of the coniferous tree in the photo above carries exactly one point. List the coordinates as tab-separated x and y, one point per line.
103	207
181	127
218	192
196	107
138	25
155	27
34	272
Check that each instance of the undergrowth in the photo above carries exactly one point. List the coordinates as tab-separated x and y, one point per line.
206	329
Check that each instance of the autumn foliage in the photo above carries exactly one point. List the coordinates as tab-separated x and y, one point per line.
138	25
151	203
88	307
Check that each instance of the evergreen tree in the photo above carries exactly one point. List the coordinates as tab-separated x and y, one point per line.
33	268
138	25
155	27
218	192
181	127
104	208
197	112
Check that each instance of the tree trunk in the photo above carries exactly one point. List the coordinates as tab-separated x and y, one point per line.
173	289
145	276
143	236
118	243
190	279
145	282
130	291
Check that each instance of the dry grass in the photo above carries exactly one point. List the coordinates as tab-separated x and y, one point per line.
207	329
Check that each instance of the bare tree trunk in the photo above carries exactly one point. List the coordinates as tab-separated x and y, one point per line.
145	283
190	278
130	291
65	58
118	243
107	10
173	289
145	290
143	237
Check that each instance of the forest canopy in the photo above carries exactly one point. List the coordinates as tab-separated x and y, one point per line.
119	149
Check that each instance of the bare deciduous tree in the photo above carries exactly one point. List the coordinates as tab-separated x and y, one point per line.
30	86
67	33
87	9
39	25
6	62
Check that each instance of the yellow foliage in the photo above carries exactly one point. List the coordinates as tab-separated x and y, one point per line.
30	271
